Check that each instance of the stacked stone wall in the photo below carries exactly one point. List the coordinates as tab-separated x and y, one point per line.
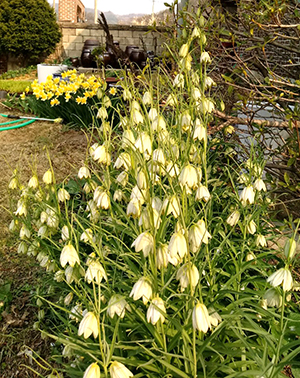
74	36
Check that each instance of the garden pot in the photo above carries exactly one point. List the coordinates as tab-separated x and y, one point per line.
45	70
86	58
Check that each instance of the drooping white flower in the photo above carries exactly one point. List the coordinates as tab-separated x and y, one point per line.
172	99
95	272
69	256
48	177
214	317
122	178
201	318
205	58
196	32
272	298
208	82
68	299
144	242
142	289
259	185
101	198
158	157
179	81
101	155
202	193
282	276
171	206
84	172
152	114
147	98
21	208
187	274
63	195
88	326
290	248
87	236
134	208
198	234
149	219
156	204
162	256
206	105
199	131
33	182
251	227
117	305
93	371
233	218
185	121
196	94
177	245
156	311
118	370
138	194
184	49
102	113
137	116
189	177
118	195
123	160
24	232
250	256
144	144
247	195
128	139
13	184
261	241
158	124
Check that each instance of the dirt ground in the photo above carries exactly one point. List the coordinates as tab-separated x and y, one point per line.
24	148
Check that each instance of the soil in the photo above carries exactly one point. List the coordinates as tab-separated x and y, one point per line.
26	148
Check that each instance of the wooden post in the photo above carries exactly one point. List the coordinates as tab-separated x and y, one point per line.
96	12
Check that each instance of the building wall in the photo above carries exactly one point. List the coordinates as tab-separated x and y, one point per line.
74	36
71	11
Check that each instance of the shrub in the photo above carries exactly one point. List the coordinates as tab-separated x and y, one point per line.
28	29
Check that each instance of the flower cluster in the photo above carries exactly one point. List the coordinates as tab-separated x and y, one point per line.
156	248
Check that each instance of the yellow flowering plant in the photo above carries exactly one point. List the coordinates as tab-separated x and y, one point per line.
73	97
150	255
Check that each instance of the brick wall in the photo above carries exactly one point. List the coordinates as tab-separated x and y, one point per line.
74	36
71	11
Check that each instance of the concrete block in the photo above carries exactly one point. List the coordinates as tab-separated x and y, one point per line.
83	32
76	39
125	34
72	54
78	47
65	38
67	31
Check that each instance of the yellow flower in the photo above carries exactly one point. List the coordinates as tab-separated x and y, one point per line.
67	97
54	102
113	91
23	96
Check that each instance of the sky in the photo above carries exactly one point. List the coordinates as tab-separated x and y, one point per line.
125	6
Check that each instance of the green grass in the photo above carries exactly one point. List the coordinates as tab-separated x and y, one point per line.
14	86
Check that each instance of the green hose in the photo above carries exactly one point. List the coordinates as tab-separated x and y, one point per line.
12	122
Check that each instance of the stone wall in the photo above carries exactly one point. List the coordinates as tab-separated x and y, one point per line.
74	36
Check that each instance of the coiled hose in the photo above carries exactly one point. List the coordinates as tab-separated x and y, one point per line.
13	122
